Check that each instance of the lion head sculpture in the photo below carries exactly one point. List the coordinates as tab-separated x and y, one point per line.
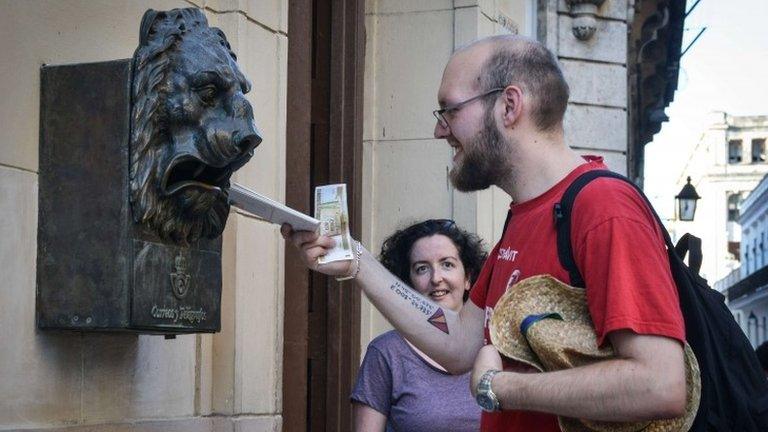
191	126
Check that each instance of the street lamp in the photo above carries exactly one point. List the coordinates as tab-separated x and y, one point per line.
686	202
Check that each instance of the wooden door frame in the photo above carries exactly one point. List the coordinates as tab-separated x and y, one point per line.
297	186
345	102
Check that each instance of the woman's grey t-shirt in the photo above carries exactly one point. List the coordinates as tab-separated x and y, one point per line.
414	395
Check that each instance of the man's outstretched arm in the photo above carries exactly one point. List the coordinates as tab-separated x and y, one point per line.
452	339
645	382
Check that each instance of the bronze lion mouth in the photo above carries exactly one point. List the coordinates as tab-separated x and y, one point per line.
188	171
191	172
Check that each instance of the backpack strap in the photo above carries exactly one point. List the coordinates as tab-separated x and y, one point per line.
691	245
563	211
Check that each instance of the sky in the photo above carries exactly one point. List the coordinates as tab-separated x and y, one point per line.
725	70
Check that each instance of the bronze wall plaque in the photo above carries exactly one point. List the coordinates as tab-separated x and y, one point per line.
135	160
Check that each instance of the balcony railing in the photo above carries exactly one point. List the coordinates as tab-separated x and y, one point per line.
749	284
731	279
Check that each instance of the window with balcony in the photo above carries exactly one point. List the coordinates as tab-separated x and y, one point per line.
755	264
738	317
734	151
746	263
734	205
752	327
758	150
734	248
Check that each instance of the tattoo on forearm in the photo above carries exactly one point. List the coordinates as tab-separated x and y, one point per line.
435	314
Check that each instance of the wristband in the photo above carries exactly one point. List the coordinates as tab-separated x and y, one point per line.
355	263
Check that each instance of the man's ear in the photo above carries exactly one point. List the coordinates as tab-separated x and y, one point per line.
512	99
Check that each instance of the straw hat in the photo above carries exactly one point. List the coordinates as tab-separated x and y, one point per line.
559	335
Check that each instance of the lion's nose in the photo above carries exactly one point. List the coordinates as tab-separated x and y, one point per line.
246	142
249	143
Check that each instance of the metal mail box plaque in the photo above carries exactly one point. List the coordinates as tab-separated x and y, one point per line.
135	161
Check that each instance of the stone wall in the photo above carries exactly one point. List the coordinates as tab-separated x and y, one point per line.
596	71
223	382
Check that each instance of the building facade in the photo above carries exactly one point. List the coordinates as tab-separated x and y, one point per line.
724	166
343	91
747	286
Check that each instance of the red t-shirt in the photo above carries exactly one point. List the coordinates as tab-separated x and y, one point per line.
620	252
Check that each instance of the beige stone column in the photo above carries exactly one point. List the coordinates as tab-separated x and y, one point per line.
596	71
244	369
404	179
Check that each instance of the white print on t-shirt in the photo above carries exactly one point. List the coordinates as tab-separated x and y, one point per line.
488	316
513	279
507	254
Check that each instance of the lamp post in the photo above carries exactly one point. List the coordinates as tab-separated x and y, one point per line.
686	202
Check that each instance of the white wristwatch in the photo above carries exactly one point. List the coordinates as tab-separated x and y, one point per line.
486	398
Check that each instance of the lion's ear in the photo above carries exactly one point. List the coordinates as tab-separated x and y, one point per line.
147	22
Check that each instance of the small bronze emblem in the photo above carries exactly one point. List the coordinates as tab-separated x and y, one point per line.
180	278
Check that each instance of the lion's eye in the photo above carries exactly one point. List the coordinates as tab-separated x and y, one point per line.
207	94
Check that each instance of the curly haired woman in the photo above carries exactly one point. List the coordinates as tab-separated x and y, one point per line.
399	387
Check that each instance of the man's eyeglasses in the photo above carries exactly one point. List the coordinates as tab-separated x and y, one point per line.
440	113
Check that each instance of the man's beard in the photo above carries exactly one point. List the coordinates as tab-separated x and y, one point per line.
483	163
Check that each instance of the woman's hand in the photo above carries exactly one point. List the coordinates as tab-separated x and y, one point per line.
312	246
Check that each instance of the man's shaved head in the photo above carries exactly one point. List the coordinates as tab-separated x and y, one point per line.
520	61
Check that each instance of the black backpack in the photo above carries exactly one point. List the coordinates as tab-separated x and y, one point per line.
734	389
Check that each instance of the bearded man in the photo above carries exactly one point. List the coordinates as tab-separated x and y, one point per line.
502	105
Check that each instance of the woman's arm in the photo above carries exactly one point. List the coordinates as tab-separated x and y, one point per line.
368	419
452	339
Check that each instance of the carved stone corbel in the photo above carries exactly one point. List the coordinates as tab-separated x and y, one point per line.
584	13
